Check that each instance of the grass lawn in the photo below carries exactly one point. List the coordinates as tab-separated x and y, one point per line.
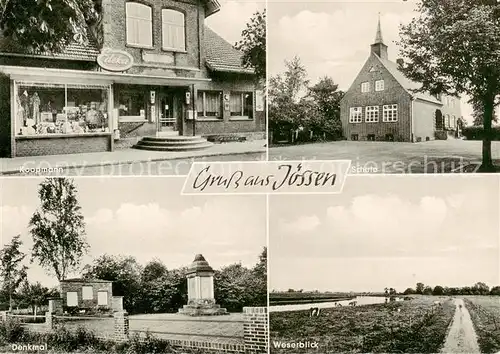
439	156
371	328
485	314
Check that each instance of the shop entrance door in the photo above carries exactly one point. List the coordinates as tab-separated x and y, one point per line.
168	117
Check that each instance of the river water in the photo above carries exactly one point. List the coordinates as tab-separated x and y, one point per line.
361	300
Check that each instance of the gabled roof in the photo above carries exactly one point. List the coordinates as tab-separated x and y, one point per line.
405	82
221	55
73	51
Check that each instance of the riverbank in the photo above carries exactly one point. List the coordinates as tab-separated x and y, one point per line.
408	326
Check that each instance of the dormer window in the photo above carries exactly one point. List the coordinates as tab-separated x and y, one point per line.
173	30
139	20
379	85
365	87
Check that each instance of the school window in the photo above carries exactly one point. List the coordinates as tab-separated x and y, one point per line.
87	293
241	104
390	113
379	85
139	21
209	104
173	30
447	121
365	87
355	115
371	114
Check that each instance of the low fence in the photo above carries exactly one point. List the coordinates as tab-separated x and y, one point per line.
245	333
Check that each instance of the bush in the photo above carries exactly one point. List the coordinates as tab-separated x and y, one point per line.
11	331
148	345
477	133
441	135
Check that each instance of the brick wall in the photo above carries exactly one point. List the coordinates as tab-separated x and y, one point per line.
87	304
256	329
393	93
35	146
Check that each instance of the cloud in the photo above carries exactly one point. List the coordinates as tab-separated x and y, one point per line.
300	225
232	18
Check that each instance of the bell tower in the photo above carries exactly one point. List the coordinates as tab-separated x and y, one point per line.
378	47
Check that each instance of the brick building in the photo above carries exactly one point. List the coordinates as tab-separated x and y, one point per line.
381	104
152	68
87	294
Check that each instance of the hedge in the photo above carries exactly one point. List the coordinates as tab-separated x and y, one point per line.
477	133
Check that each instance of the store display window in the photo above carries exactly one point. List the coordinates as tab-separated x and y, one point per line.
44	109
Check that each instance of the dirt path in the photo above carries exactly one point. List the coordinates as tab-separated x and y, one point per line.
462	337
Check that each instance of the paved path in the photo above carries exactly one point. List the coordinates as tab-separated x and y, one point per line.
462	336
131	161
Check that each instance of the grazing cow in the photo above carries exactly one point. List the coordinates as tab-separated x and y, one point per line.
437	303
353	303
314	312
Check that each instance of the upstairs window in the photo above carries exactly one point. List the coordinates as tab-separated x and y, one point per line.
379	85
139	25
173	30
355	115
365	87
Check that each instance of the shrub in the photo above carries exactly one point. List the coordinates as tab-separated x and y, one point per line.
148	345
477	133
441	135
11	331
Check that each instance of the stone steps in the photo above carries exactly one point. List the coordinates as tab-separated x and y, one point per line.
168	142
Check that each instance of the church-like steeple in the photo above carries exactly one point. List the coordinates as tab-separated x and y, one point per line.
379	48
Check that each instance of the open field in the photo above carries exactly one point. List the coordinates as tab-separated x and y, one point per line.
404	327
439	156
485	314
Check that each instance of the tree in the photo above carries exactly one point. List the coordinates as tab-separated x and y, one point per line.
34	295
409	291
47	25
326	95
58	228
478	114
285	112
253	44
453	48
438	290
495	290
125	273
420	288
481	288
153	270
260	280
12	271
427	290
233	287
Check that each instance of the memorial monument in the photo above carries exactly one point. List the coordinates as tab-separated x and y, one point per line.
201	300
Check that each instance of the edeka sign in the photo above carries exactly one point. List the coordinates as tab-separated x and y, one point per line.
115	60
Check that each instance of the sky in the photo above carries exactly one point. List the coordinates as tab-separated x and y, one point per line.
146	217
387	231
232	18
333	37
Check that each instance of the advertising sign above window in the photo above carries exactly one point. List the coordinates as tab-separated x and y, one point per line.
115	60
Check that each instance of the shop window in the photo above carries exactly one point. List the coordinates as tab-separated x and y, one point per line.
354	137
131	105
44	109
173	30
241	104
139	24
87	292
209	104
102	298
